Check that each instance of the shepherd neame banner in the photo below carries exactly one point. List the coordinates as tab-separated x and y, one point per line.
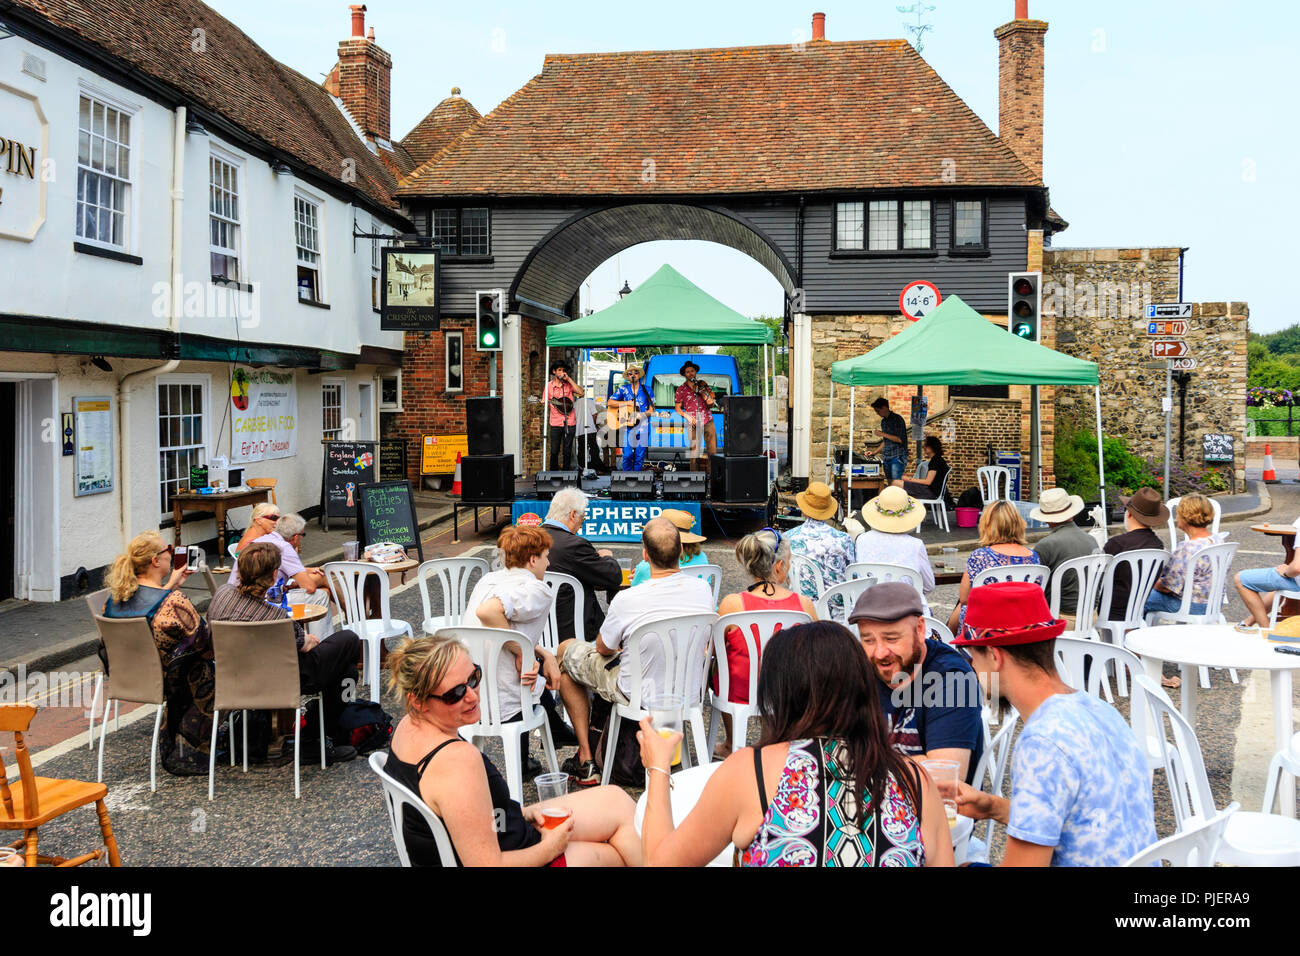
263	415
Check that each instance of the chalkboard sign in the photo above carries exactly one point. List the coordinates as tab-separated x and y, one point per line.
348	465
392	459
386	513
1217	448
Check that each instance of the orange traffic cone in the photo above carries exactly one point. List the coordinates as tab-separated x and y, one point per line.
455	481
1269	474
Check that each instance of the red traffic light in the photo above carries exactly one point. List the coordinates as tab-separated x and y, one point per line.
1023	286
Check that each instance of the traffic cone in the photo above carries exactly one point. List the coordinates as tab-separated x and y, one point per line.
1269	474
455	481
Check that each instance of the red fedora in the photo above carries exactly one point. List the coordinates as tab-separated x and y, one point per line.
1008	612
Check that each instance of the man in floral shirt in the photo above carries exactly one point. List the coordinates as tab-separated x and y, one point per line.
694	402
830	550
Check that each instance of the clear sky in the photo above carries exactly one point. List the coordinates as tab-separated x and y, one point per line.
1168	122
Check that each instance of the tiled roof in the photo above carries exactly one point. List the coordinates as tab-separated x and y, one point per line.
445	122
229	75
826	116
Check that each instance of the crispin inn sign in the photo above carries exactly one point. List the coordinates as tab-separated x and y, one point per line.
25	171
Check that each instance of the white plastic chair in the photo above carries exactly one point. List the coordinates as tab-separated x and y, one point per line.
1220	558
1076	657
453	576
936	627
805	569
136	675
993	478
1088	571
992	768
1144	570
937	506
837	600
711	573
1034	573
768	623
1198	845
486	645
347	582
551	633
96	600
1175	536
688	786
885	572
683	662
1251	839
397	796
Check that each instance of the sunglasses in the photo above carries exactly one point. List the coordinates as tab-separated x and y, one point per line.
270	517
457	693
775	532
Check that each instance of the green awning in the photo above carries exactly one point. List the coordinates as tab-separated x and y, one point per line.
667	309
955	345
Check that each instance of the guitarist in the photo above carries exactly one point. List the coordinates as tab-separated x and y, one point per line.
561	390
634	406
694	401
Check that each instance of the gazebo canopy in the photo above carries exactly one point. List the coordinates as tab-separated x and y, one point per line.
955	345
667	309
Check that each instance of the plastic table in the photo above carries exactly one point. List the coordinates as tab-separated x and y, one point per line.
1191	646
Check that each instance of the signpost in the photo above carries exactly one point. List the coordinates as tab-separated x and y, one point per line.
1169	310
1169	319
1172	327
1170	348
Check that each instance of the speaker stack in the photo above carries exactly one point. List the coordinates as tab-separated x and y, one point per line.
739	475
486	474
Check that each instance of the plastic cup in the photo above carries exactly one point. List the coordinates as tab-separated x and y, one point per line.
944	774
298	611
9	857
949	559
626	565
666	717
553	817
552	786
350	549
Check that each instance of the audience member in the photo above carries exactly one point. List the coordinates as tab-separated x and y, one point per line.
1002	544
1066	540
816	540
574	555
437	682
1194	516
928	693
683	521
601	666
1080	786
929	486
1142	511
890	517
263	521
289	534
822	788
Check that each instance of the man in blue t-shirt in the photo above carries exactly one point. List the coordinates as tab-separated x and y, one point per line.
1080	787
635	406
928	692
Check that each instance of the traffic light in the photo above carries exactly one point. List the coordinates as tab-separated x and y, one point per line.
489	319
1024	304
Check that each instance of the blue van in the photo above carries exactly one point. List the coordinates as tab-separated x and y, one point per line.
668	437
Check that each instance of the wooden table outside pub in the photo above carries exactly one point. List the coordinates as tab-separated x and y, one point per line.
220	502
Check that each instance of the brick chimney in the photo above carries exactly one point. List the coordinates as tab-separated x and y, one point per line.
1020	86
819	26
364	75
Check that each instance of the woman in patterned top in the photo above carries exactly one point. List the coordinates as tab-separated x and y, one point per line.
822	788
1002	544
1194	517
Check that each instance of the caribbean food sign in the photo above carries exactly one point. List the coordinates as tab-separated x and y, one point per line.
263	415
24	169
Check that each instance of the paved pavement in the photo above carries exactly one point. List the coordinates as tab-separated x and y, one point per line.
340	819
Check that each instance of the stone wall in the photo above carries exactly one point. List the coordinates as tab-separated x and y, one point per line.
1097	299
977	423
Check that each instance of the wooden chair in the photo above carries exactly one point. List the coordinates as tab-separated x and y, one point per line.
42	799
263	483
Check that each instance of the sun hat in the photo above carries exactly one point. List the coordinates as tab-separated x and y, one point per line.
1145	505
817	501
1008	612
887	601
688	362
893	511
1056	505
683	521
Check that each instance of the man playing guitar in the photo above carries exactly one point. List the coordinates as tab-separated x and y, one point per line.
633	405
694	402
561	390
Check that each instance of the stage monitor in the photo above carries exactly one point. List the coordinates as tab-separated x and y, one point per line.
547	483
632	485
685	485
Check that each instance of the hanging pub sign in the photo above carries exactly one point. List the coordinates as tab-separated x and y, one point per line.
24	170
410	299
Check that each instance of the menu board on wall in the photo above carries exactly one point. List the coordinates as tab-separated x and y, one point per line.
392	459
93	441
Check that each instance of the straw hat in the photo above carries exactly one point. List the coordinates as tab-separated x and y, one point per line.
683	521
893	511
1056	506
817	501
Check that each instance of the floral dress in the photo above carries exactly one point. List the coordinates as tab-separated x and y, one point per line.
981	559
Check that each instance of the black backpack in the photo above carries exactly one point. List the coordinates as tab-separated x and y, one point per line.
365	725
971	498
628	771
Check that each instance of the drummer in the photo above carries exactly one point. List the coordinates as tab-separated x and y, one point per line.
634	405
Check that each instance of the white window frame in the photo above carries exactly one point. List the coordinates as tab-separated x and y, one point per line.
131	204
301	195
376	293
849	226
379	379
237	164
446	362
204	447
342	385
880	210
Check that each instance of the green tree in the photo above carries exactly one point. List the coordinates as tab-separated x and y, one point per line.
750	358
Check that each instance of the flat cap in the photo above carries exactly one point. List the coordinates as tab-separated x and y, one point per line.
887	601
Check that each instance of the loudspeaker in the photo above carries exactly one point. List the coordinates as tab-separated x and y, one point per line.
632	485
742	431
483	426
738	479
487	478
685	485
548	483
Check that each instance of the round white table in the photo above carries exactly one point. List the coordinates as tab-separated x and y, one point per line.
1192	646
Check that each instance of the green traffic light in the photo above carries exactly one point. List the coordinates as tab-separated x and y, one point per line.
489	338
1024	330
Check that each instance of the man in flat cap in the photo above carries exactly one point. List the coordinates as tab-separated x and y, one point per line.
929	694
